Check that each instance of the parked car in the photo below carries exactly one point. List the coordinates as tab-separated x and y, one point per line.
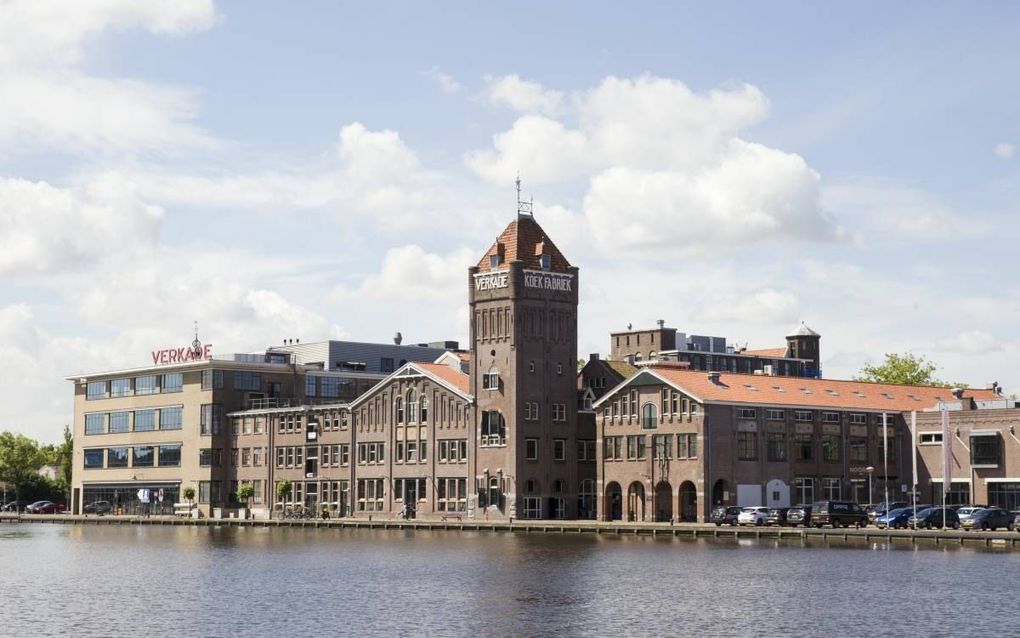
753	516
895	519
988	518
777	516
1016	520
957	508
800	515
98	507
12	506
838	514
44	507
881	509
725	515
966	511
932	517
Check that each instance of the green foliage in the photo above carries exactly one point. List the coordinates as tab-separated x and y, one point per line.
245	493
905	369
284	489
188	493
65	452
20	460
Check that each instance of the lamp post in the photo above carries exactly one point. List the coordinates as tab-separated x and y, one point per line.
871	494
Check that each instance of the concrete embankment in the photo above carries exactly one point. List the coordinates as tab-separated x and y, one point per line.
686	530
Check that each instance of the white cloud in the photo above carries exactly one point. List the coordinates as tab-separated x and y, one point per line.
522	95
971	342
667	170
1004	150
410	273
47	100
445	81
47	229
878	207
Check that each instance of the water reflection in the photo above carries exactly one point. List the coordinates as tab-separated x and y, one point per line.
139	580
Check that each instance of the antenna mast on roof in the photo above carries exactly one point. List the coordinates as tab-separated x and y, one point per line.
524	208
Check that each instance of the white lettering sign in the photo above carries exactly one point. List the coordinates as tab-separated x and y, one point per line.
547	281
491	282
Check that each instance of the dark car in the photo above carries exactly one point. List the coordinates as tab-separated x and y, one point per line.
838	514
894	519
882	509
44	507
727	515
777	516
800	515
989	518
12	506
98	507
933	517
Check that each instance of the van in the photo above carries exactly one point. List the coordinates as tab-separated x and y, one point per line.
838	514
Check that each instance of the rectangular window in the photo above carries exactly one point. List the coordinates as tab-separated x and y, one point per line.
636	447
746	413
858	450
204	491
490	380
832	488
210	457
830	417
280	457
831	448
687	446
171	418
370	495
330	386
309	386
559	412
173	382
612	448
804	444
117	457
145	385
170	455
747	446
95	423
93	459
662	446
775	415
212	379
120	388
95	390
145	420
211	421
248	381
802	416
451	494
859	419
531	449
246	456
559	449
931	438
120	422
804	490
985	450
493	429
143	456
775	442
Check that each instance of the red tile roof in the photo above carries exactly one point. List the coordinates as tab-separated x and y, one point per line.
821	393
524	240
767	352
454	378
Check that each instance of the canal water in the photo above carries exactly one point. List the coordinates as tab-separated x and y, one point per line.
197	581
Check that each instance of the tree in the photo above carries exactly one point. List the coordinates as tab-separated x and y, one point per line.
905	369
245	494
65	452
20	460
189	495
283	490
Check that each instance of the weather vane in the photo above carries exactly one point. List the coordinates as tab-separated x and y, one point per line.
524	208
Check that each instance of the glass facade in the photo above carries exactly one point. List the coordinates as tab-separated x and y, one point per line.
125	498
171	418
172	382
145	385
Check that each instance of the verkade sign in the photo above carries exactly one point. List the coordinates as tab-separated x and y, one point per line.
194	352
492	281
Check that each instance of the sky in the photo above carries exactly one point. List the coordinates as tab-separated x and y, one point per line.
329	170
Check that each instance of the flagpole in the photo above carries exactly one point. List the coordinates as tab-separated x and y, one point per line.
913	459
885	458
947	458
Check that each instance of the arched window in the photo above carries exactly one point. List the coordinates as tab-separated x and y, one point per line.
637	356
424	410
652	356
399	410
412	407
648	419
490	381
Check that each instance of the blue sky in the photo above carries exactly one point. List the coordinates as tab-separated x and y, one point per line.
323	169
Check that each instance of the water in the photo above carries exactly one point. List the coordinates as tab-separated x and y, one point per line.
189	581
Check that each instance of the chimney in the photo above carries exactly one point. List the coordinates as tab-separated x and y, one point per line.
398	339
662	323
713	377
593	356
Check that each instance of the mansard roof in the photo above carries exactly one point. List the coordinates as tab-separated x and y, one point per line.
524	240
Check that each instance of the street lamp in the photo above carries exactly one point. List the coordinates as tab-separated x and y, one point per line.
871	493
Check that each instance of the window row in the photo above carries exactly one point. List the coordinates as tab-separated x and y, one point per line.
626	405
169	418
807	416
559	449
635	447
248	456
168	455
133	386
804	447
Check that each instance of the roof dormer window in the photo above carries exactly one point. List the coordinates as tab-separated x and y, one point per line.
545	261
494	261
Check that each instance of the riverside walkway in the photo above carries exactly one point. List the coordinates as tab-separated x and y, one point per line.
683	530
